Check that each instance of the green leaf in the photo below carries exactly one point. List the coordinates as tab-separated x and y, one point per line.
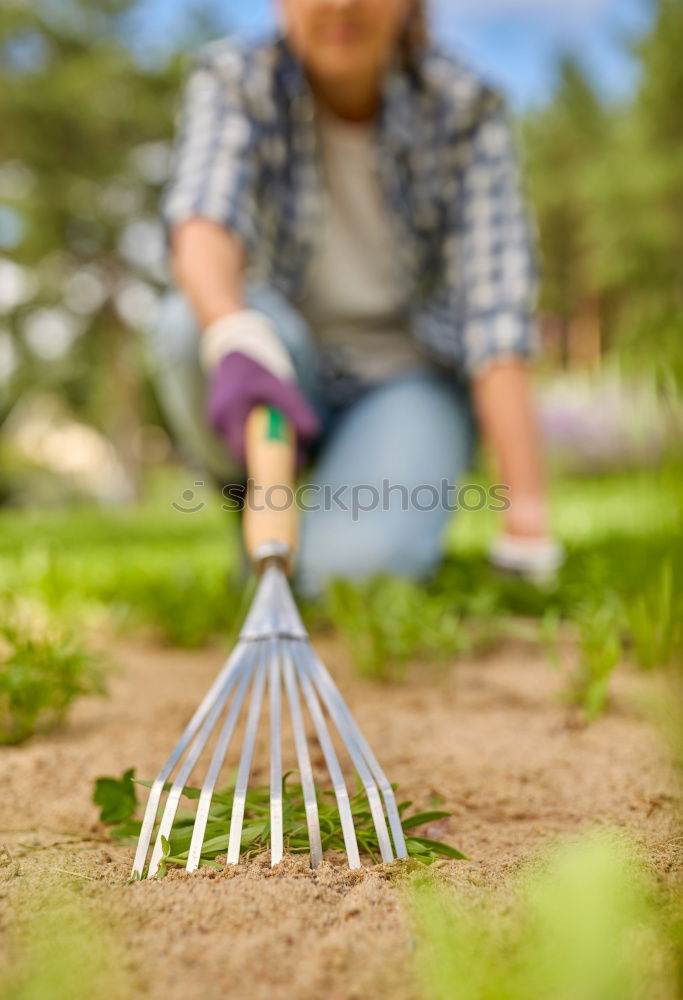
437	847
256	829
419	819
127	832
116	798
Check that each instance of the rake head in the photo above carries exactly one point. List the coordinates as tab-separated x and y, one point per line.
273	655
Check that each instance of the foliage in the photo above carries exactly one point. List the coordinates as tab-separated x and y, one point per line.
187	606
564	140
62	948
387	622
621	532
143	567
600	652
117	801
607	186
116	798
86	124
81	114
655	620
185	603
151	566
40	678
582	922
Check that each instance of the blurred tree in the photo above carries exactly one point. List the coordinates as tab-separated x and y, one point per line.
648	218
86	120
564	140
607	182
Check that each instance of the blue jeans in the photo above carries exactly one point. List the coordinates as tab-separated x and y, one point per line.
371	503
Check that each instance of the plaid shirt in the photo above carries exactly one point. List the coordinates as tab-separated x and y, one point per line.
246	157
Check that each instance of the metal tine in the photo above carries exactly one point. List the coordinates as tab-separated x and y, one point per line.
179	749
324	680
293	626
187	767
331	759
204	805
348	735
304	760
240	794
275	706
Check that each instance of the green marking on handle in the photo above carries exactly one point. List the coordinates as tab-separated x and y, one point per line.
277	426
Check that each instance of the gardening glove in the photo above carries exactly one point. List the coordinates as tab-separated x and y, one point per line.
535	559
247	367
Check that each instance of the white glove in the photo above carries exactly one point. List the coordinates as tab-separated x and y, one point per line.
535	559
246	332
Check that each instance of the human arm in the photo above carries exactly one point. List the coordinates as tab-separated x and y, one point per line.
210	213
208	265
246	363
496	282
503	402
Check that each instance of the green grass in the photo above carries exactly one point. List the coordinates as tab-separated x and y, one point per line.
182	575
583	922
141	566
118	804
655	619
621	587
63	949
388	622
41	675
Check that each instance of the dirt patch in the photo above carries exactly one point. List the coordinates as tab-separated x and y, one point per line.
490	736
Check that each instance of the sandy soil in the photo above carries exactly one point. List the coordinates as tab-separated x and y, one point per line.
490	736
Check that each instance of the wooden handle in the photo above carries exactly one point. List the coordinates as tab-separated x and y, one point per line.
269	511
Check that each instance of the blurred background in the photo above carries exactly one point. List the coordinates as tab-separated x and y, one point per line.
90	93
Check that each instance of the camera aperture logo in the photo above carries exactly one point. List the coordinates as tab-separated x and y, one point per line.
189	498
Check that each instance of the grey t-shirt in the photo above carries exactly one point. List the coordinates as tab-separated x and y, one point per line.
354	294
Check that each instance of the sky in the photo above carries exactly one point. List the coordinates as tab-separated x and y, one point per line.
514	42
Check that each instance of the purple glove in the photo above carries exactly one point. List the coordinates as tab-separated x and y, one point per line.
237	385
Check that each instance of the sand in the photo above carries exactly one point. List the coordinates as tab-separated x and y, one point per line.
490	735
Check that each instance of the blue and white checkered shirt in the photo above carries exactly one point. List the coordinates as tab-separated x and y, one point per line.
246	157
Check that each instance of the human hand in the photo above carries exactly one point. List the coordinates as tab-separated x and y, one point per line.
248	367
534	559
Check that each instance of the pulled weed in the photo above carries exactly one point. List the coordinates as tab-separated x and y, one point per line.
118	804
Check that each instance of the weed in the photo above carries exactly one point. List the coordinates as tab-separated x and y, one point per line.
187	605
387	622
599	631
655	621
152	566
118	804
40	678
600	652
